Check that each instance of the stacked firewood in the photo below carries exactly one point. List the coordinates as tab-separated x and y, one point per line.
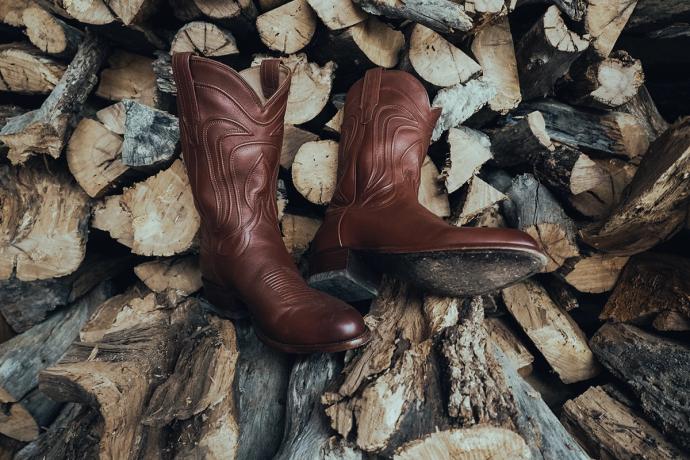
109	350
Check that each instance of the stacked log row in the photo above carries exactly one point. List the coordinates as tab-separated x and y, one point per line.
548	124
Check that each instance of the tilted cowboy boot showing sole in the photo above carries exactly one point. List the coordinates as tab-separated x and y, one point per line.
232	131
375	213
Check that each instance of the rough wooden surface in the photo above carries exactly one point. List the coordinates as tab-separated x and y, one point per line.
460	102
179	273
24	70
49	33
204	38
469	150
440	15
594	273
288	28
129	76
522	139
314	170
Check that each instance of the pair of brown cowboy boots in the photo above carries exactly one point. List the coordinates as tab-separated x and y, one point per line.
232	132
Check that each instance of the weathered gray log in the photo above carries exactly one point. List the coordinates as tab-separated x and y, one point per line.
162	67
545	53
655	206
25	355
643	108
522	139
460	102
655	369
440	15
569	171
150	137
47	129
261	382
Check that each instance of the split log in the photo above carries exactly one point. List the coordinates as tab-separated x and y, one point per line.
298	232
643	108
25	411
595	274
94	12
44	226
603	84
287	28
521	140
154	217
437	61
504	338
545	53
239	14
129	76
368	43
460	102
431	194
651	284
261	383
25	304
604	22
24	70
179	273
338	14
600	200
569	171
539	427
552	331
11	11
469	150
310	87
293	139
612	133
94	157
205	39
561	293
655	370
440	15
162	68
46	129
314	170
534	210
609	429
493	48
50	34
655	206
150	136
480	197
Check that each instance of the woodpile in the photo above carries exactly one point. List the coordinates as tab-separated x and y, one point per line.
562	118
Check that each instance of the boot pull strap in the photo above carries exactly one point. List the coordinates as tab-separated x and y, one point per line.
270	76
370	93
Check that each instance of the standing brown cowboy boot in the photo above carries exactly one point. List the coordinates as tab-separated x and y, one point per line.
375	212
232	131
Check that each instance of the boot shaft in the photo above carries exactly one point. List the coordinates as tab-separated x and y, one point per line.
385	134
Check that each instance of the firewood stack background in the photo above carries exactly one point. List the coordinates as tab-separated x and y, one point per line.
561	118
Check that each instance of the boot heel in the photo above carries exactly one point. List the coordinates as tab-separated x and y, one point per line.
343	274
225	302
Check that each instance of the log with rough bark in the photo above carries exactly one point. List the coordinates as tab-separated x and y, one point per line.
569	171
460	102
314	170
604	21
600	200
24	70
45	223
655	205
643	108
26	410
179	273
440	15
46	129
337	14
504	338
469	150
204	38
522	139
545	53
51	34
129	76
365	44
654	369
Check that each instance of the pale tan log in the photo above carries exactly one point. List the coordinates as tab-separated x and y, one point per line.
298	232
205	39
310	87
570	171
11	11
50	34
129	76
112	216
43	231
288	28
438	61
338	14
493	48
133	11
293	139
378	41
113	117
24	70
179	273
336	122
610	429
314	170
239	12
604	21
501	335
552	331
431	194
655	206
469	150
96	12
595	274
642	107
480	197
93	156
599	201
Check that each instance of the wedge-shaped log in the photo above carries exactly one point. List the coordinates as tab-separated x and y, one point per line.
25	70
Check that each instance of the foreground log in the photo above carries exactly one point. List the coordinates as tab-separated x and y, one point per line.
314	170
46	130
521	140
45	224
480	197
203	38
50	34
656	201
24	70
338	14
552	331
609	429
545	53
11	11
655	370
469	150
298	232
642	107
365	44
600	200
25	411
504	338
604	21
293	139
439	15
288	28
179	273
569	171
460	102
129	76
651	284
153	217
595	273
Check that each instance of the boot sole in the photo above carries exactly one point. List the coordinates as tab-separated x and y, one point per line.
446	273
226	304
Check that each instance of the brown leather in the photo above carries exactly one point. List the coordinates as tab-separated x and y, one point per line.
231	144
385	134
